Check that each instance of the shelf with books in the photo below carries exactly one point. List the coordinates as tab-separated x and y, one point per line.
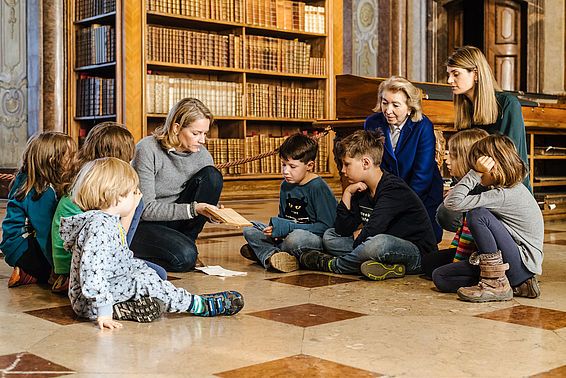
94	52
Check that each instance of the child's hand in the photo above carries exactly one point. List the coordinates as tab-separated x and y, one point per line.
108	322
484	164
268	231
356	187
357	233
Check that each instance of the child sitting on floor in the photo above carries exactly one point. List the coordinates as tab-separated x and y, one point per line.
506	224
107	139
106	281
382	227
307	208
462	245
46	174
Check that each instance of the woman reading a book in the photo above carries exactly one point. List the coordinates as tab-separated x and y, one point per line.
179	183
410	144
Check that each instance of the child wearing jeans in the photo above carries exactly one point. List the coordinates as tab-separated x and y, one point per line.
46	174
382	228
506	224
106	281
307	208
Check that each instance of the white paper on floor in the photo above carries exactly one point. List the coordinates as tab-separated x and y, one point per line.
217	270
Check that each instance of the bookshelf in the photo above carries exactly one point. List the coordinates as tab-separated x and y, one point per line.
95	61
263	67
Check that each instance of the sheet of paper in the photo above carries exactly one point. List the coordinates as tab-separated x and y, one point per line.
217	270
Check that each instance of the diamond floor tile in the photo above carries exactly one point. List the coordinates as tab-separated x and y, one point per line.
30	365
537	317
306	315
311	280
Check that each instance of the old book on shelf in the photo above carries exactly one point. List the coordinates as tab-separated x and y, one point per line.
229	216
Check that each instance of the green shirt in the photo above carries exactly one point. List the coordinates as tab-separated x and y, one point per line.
62	258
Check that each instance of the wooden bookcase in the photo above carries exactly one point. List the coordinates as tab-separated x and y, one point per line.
148	58
94	45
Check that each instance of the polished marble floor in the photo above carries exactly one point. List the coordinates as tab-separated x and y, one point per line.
300	324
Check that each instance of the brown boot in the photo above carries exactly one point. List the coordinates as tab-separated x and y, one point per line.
493	285
528	289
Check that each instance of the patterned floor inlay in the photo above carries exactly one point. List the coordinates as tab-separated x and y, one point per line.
300	365
62	315
207	241
306	315
549	231
538	317
30	365
311	280
559	242
559	372
172	278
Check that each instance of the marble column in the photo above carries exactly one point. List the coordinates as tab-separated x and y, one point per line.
13	82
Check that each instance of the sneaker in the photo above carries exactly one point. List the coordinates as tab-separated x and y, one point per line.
61	284
19	277
224	303
52	278
528	289
378	271
144	310
283	262
316	260
246	251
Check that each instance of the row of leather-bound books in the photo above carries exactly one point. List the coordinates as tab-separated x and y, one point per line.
90	8
191	47
95	96
282	14
231	149
225	98
94	44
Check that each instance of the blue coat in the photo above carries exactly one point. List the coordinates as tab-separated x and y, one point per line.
413	160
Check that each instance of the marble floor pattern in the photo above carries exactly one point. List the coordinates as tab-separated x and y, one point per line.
300	324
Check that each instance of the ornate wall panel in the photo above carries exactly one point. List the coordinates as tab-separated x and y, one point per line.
365	37
13	81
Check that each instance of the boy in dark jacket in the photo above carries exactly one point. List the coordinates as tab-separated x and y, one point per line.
382	228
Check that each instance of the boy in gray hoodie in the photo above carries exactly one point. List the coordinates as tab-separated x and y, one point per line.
106	281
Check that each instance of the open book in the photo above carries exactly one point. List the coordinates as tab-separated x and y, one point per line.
229	216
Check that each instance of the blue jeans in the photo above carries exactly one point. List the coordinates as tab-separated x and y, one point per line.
490	235
295	243
172	244
383	248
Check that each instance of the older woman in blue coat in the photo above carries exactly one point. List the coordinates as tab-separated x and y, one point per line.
410	144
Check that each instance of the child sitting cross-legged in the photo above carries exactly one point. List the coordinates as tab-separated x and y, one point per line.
106	281
307	208
382	228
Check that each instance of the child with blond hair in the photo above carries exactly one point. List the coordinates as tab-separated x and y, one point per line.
106	282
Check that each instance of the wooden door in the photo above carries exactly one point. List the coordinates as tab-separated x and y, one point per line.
504	42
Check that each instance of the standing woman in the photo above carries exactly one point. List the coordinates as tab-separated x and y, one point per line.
178	181
479	102
410	144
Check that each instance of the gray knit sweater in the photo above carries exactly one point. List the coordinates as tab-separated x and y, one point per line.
515	207
162	177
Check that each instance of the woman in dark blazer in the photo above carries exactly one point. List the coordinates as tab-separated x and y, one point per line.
410	144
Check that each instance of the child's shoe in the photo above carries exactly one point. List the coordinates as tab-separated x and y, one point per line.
19	277
316	260
144	310
528	289
61	284
224	303
378	271
283	262
246	251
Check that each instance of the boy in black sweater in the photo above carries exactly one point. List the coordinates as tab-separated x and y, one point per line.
382	228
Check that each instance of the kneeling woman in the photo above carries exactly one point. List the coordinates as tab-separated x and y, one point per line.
410	145
178	181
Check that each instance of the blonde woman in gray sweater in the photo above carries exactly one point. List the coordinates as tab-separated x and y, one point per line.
506	224
178	181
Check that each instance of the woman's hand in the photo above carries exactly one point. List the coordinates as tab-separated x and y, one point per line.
108	322
201	207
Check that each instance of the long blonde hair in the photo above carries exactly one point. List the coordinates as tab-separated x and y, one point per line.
101	182
48	160
183	113
400	84
483	109
458	147
509	169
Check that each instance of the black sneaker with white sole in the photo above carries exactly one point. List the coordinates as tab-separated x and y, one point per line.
143	310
